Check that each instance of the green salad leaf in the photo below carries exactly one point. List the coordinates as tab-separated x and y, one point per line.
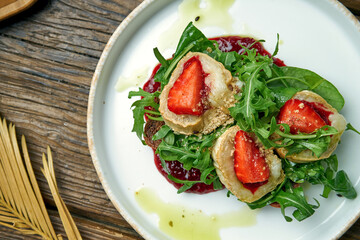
321	172
192	151
303	79
318	142
139	109
350	127
256	99
286	195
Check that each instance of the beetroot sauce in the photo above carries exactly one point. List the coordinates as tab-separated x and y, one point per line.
151	86
254	186
176	169
232	43
226	44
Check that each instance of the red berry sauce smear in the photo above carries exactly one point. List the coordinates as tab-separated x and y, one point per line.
232	43
226	44
176	169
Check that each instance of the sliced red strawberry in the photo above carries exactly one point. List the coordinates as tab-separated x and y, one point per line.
300	116
185	97
249	163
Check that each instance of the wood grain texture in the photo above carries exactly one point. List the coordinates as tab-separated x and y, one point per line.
47	59
48	55
4	3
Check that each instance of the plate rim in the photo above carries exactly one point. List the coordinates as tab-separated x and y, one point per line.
90	134
95	81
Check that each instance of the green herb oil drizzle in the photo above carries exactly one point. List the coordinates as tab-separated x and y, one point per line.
137	78
189	224
203	13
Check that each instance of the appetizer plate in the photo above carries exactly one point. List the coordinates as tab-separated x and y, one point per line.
321	36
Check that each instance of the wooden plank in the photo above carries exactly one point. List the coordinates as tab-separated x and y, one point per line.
352	5
89	229
46	66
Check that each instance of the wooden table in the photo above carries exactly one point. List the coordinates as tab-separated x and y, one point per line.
48	55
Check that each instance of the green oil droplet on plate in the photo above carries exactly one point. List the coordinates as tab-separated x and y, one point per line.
137	78
184	223
207	13
203	13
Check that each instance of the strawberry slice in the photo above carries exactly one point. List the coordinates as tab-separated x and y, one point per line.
249	163
185	97
300	116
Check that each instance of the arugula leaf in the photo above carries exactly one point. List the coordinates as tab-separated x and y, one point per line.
321	172
277	46
138	108
350	127
161	58
294	197
318	142
287	196
318	146
193	152
256	98
341	184
164	130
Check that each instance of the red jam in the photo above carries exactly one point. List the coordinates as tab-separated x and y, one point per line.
232	43
254	186
176	169
151	86
226	44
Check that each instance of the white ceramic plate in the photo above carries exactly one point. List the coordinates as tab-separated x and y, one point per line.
318	35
